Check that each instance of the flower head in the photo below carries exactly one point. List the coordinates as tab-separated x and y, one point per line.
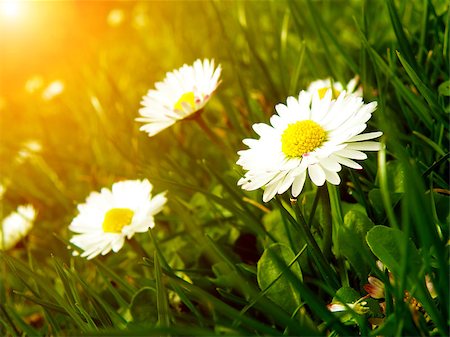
16	226
320	87
182	93
108	217
375	288
360	306
309	135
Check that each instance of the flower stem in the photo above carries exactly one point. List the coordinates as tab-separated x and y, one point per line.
328	222
211	135
325	269
334	206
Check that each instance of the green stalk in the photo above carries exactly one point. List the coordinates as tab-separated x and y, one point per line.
198	118
382	171
328	223
336	213
335	208
325	269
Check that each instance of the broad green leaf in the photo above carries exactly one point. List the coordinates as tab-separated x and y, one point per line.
283	232
444	88
388	246
226	277
346	295
348	207
352	243
282	292
376	200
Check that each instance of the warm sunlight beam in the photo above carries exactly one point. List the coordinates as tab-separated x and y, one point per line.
10	8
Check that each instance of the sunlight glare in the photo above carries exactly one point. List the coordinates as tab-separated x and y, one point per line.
10	8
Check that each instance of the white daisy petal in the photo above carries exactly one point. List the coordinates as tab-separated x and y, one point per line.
156	127
317	174
269	192
261	128
332	177
330	164
364	146
352	154
366	136
298	184
183	92
312	135
348	162
108	217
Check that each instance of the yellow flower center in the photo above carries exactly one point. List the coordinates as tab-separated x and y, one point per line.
301	137
323	91
188	98
117	218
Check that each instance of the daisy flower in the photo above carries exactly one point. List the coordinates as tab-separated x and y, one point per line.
360	306
320	87
310	136
108	217
182	93
16	226
375	287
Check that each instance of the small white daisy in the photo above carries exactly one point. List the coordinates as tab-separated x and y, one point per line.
307	135
360	306
16	226
320	87
182	93
108	217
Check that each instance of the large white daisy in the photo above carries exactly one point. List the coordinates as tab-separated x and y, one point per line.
182	93
310	136
16	226
320	87
108	217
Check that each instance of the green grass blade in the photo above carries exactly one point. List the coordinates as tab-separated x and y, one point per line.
416	104
161	297
405	46
430	143
429	96
319	25
266	289
225	309
20	323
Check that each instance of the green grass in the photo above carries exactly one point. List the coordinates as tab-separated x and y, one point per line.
219	261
